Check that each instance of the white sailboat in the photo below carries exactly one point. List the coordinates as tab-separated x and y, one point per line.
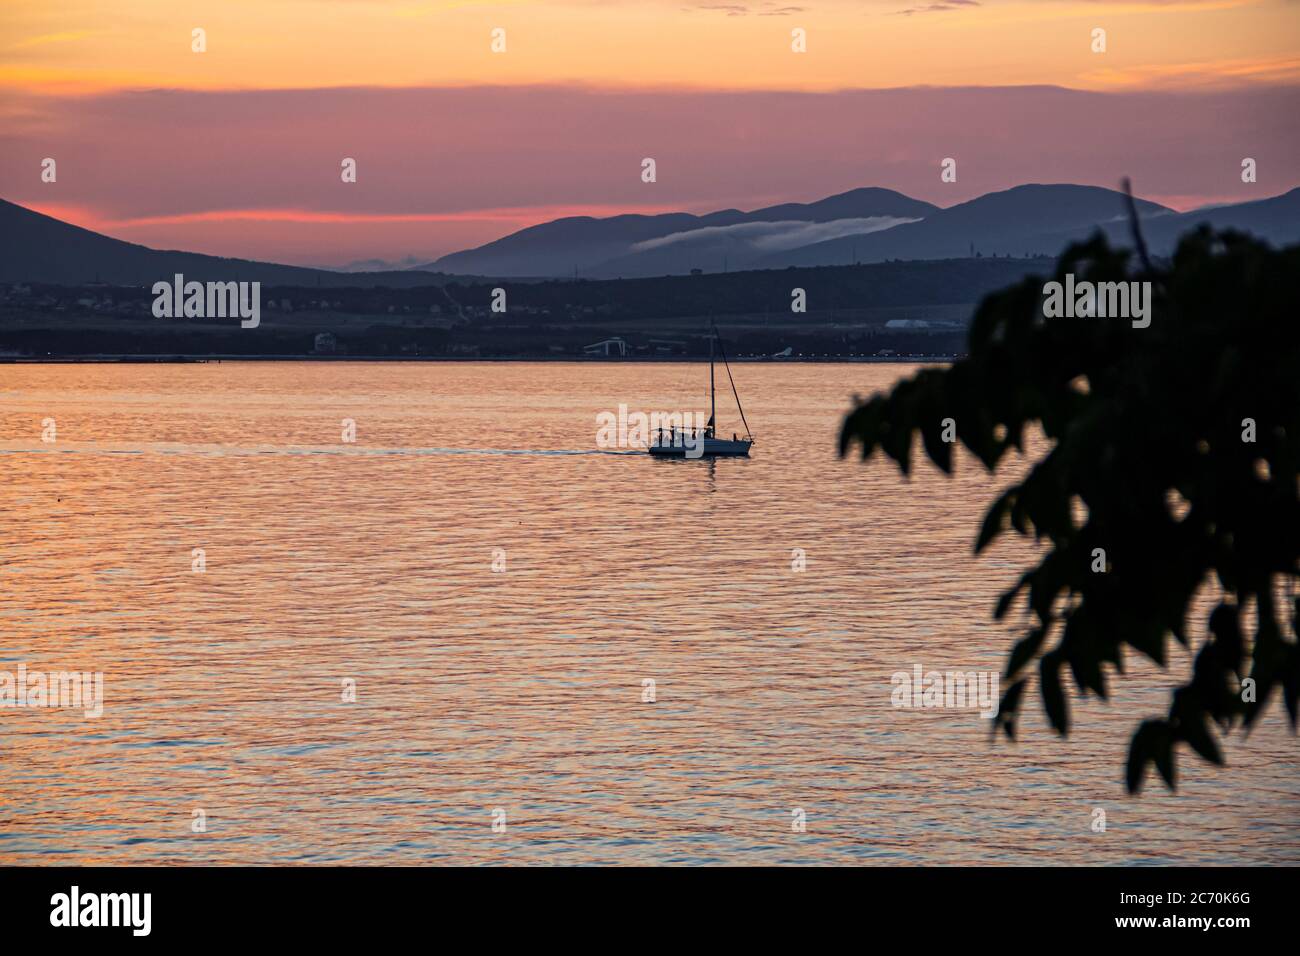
692	444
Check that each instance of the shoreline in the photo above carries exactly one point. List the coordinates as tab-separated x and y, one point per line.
678	359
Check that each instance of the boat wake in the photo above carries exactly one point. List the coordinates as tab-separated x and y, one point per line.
189	448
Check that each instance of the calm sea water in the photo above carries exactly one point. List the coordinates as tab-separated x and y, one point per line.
522	690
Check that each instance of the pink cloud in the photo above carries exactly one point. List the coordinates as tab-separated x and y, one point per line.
257	173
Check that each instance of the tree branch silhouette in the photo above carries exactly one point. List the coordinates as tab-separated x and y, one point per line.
1172	448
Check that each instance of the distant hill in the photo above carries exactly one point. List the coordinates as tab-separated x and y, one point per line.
39	248
863	225
1035	219
1275	220
636	245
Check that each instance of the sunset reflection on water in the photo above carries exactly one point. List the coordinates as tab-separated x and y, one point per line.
522	689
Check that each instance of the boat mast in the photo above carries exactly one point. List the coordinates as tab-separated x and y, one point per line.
735	394
713	402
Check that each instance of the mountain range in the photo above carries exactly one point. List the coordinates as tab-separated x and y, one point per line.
39	248
862	225
636	245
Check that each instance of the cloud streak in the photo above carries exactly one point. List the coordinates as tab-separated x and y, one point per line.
942	6
775	236
257	173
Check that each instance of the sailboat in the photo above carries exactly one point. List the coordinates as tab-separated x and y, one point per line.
680	444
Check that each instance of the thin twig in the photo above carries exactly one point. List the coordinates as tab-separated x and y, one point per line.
1136	225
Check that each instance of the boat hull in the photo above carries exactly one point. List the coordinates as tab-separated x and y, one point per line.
712	448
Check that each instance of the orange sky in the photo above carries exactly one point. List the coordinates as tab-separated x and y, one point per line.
259	44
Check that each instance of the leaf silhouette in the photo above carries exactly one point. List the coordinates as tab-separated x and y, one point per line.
1174	448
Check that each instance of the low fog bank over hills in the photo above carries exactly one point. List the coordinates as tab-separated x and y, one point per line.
1042	220
637	245
861	226
1024	220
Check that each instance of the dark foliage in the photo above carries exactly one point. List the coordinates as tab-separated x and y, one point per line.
1137	419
